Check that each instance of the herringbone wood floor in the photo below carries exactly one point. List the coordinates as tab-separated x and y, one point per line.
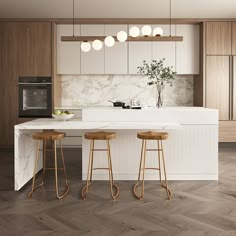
198	207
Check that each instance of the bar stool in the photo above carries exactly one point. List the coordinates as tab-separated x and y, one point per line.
158	136
106	136
44	137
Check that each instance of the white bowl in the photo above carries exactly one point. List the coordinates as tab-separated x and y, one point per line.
63	117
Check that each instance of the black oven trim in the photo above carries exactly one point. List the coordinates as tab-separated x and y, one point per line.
36	82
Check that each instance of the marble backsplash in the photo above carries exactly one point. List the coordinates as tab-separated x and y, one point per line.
96	90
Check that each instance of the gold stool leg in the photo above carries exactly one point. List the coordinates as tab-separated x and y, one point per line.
159	159
141	167
64	171
35	169
91	169
112	184
44	161
84	190
165	184
56	177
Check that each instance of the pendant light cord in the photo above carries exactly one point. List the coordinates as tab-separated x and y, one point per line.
73	18
170	18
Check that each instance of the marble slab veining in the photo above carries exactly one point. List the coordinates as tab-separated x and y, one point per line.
96	90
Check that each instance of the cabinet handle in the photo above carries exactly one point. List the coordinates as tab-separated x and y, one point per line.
231	88
233	85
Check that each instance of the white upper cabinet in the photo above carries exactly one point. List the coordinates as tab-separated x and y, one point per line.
92	62
138	52
68	53
124	58
165	50
116	57
187	51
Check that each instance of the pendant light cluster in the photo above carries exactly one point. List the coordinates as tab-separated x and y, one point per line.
146	33
109	41
122	36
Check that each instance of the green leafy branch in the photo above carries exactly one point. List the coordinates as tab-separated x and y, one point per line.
157	73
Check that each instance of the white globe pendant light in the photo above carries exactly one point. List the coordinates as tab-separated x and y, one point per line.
85	46
122	36
134	31
97	44
109	41
146	30
158	31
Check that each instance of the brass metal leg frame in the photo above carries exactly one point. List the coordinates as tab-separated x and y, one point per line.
165	183
64	170
113	186
85	189
142	167
44	169
35	169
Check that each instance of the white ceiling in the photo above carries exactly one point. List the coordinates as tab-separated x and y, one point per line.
117	8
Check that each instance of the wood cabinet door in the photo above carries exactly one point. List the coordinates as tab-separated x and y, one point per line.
8	87
218	85
218	38
34	48
234	38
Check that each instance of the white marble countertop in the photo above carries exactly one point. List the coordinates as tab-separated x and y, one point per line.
51	123
181	115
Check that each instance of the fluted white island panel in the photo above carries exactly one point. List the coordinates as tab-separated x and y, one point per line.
191	150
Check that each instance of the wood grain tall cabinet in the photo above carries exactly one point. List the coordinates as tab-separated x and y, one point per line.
220	79
25	50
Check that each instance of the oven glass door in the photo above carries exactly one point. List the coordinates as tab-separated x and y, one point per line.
35	100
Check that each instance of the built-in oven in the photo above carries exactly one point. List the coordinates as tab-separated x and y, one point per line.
35	96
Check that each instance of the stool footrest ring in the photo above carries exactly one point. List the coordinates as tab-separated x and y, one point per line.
139	197
85	189
64	193
101	168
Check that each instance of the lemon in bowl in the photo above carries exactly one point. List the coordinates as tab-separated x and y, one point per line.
62	115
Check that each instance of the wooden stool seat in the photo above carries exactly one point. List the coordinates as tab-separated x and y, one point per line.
151	135
53	135
100	135
43	137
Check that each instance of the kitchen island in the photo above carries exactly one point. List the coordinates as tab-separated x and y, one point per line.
191	150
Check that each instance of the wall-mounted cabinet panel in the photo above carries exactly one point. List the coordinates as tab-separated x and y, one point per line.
8	87
25	50
34	48
234	38
164	49
138	52
218	85
116	57
218	38
92	62
68	53
187	51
